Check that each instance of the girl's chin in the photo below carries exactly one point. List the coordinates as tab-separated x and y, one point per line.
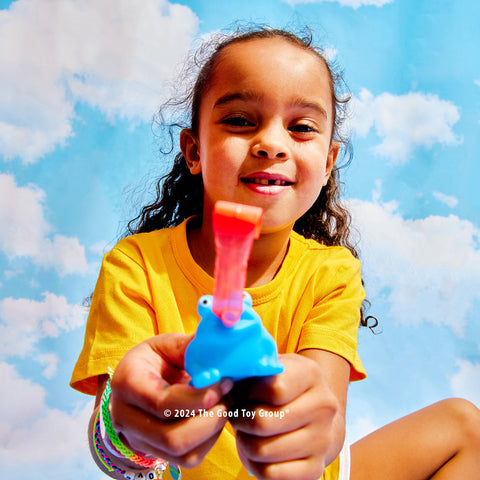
275	226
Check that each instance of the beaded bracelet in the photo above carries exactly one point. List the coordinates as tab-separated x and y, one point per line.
111	467
158	465
115	440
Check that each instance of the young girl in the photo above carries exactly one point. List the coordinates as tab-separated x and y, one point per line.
263	132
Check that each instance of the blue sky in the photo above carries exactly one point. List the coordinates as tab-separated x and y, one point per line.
79	84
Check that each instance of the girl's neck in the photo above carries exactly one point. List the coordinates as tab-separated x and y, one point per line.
265	260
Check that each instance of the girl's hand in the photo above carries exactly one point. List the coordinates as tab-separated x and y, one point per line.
297	426
156	412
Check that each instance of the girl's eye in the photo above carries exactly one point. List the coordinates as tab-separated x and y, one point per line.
302	128
237	122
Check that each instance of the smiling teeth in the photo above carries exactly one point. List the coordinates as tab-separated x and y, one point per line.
266	181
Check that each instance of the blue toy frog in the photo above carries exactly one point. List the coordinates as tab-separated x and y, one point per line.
241	351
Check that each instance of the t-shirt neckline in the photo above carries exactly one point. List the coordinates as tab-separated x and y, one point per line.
205	282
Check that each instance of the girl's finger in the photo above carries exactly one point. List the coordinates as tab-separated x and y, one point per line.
188	439
299	375
266	421
170	347
291	446
317	405
162	356
141	379
191	459
306	468
302	468
172	402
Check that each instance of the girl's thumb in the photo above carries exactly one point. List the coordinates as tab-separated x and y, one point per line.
171	347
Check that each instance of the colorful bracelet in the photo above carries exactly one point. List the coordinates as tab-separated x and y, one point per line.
115	440
158	465
111	467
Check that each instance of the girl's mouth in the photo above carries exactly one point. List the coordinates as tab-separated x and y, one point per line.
267	181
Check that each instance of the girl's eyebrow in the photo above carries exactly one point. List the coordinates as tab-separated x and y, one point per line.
245	96
310	105
252	96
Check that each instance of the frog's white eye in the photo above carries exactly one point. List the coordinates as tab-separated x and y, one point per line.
205	301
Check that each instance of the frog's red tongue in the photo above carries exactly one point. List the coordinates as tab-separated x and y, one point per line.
235	227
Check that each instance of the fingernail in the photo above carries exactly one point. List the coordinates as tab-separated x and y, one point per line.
210	400
226	385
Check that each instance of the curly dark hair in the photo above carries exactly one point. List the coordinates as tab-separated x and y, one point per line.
179	194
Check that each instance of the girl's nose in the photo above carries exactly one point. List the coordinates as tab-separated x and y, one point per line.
270	144
268	152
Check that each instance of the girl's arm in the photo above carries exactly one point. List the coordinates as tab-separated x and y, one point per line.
299	423
119	462
149	385
336	373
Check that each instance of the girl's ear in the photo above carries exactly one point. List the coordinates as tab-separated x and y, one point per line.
189	147
331	159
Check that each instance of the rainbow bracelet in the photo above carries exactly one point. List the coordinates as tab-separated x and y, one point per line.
158	465
115	440
109	465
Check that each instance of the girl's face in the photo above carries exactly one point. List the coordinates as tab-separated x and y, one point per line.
264	131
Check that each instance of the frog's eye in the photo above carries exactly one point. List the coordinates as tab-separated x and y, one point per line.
205	301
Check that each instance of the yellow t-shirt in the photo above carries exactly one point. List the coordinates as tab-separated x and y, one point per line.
150	284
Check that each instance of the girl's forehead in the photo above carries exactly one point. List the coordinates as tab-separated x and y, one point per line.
273	63
275	57
277	49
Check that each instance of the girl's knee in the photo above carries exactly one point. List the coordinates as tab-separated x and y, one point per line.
465	418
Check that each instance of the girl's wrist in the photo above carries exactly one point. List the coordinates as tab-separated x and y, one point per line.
116	466
117	459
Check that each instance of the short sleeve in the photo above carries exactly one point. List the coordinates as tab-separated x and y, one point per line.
333	322
120	317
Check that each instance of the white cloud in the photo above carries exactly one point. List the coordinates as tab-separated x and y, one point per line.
466	382
116	55
345	3
404	122
24	322
448	200
477	82
31	433
50	360
9	274
24	227
329	53
100	248
377	191
26	233
25	401
427	269
64	254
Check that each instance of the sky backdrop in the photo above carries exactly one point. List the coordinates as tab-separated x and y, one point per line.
80	81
